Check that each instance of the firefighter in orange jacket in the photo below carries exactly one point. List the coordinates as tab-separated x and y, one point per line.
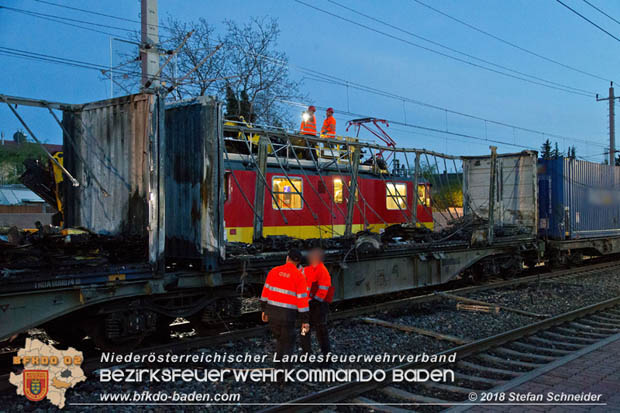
284	298
329	130
308	127
321	294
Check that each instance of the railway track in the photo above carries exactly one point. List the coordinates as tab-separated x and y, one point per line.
187	344
490	365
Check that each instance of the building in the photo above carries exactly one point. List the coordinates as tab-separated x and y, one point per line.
21	207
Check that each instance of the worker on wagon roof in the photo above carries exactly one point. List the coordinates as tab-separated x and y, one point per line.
321	295
308	122
329	124
303	148
284	299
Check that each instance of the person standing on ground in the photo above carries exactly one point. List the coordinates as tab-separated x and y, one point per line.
321	294
284	298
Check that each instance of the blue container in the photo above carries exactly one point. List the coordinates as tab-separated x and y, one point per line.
578	199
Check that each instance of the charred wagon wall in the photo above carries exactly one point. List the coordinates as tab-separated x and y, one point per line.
194	181
117	141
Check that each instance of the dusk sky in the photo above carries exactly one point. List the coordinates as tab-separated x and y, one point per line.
315	40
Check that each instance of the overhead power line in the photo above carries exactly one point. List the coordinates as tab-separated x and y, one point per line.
71	22
509	43
588	20
96	13
415	126
548	84
452	49
600	11
6	51
322	76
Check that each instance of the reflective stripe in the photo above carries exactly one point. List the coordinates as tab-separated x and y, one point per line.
303	310
280	290
263	298
277	304
318	298
322	287
304	295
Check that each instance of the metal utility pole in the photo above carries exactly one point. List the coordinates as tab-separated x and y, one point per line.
612	123
149	45
492	179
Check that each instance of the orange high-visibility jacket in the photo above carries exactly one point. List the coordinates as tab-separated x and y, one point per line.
320	283
285	294
329	127
308	127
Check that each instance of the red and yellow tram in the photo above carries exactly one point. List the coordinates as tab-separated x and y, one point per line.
381	201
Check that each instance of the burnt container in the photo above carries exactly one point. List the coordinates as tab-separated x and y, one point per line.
578	199
194	182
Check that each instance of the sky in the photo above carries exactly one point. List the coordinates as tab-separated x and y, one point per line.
323	42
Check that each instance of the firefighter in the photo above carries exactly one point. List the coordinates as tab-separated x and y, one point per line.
329	124
308	122
321	294
284	298
308	127
329	129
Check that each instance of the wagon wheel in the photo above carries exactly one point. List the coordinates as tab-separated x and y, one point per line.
122	345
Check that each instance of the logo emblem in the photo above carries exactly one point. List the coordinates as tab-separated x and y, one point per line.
36	384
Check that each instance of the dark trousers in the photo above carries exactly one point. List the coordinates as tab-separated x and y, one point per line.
318	324
284	333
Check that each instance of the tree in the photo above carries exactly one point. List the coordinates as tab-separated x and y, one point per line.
241	65
545	150
556	153
571	152
617	160
254	67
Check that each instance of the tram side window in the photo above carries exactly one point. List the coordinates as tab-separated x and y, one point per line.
338	191
423	198
396	196
287	193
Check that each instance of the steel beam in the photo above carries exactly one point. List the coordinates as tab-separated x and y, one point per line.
259	195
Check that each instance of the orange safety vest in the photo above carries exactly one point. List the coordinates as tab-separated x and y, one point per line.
329	127
285	293
320	283
309	127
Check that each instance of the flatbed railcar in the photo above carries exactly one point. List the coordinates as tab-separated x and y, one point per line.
161	174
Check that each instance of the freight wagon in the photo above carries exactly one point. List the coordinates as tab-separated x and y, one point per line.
169	212
579	208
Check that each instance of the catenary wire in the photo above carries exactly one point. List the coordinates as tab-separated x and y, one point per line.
588	20
336	80
488	62
75	22
566	89
97	13
509	43
601	11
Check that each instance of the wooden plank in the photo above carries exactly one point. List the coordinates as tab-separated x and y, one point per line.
410	397
518	363
410	329
598	324
509	309
569	338
549	342
515	353
606	318
379	407
530	347
478	367
480	380
447	387
577	331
